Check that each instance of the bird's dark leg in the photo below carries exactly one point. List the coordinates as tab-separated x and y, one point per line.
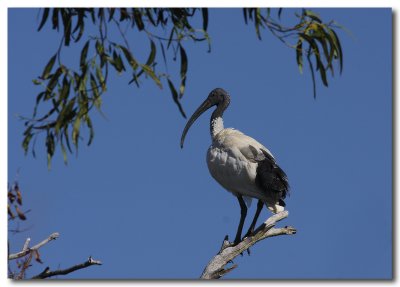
243	213
260	205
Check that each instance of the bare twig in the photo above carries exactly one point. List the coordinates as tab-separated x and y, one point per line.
24	252
215	268
24	266
26	244
47	273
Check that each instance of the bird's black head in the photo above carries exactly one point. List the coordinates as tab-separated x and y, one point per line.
218	97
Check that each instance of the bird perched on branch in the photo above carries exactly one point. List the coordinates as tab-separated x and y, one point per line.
241	164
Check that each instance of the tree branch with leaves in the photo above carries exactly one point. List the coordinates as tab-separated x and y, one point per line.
70	94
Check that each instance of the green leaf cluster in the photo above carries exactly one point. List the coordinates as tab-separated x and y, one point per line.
72	94
310	37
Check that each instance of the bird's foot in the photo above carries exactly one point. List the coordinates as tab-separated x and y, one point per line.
226	243
249	233
237	241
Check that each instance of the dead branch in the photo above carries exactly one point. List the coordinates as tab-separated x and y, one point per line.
27	250
215	269
26	244
47	273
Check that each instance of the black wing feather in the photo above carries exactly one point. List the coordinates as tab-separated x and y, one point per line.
270	177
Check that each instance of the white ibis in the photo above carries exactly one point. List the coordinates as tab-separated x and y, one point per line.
241	164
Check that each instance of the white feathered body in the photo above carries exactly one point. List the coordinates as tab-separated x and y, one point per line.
232	164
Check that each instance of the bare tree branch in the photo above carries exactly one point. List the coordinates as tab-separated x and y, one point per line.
24	266
23	259
28	250
47	273
26	244
215	268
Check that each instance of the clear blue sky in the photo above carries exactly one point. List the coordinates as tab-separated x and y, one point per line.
148	209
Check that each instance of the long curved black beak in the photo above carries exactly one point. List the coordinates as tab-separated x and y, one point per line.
200	110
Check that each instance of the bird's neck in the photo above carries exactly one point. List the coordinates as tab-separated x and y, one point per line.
216	125
216	122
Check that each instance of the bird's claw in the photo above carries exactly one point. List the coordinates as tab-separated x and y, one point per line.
248	234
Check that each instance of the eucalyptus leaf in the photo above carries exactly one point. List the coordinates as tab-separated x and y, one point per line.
52	83
26	141
184	68
338	48
313	16
299	55
149	71
138	19
91	130
75	131
49	67
175	97
131	60
44	18
64	153
204	12
152	54
84	53
54	18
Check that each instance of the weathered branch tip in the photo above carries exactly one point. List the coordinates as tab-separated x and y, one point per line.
215	269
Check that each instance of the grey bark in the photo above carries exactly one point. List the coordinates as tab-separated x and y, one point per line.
215	269
26	250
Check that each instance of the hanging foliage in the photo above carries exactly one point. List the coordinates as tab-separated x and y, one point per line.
69	95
